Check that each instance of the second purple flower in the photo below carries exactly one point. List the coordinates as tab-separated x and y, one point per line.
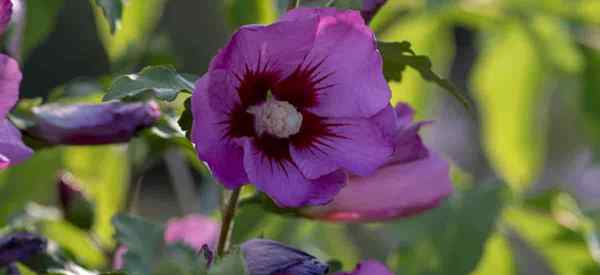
288	107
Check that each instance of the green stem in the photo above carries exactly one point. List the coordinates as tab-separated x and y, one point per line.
293	4
227	222
330	3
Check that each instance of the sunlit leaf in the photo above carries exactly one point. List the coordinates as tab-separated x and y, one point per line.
399	55
554	40
106	184
564	250
497	259
164	82
243	12
507	86
77	242
112	10
137	23
590	97
427	34
144	241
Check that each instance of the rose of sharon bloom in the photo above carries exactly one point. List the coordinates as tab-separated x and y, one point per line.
12	149
91	124
6	10
369	267
288	107
194	230
266	257
19	247
412	180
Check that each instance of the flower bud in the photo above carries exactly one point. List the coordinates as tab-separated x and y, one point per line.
76	206
19	247
91	124
6	11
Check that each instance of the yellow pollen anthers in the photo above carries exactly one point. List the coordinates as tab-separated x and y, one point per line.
278	118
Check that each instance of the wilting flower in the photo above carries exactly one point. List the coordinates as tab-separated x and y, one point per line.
6	10
370	8
19	247
266	257
91	124
368	267
288	107
77	207
412	180
197	231
12	149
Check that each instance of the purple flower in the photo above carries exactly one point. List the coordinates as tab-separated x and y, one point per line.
266	257
6	10
91	124
412	181
12	149
369	267
19	247
197	231
370	8
289	107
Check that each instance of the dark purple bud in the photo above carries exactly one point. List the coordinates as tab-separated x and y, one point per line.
19	247
266	257
6	10
91	124
76	206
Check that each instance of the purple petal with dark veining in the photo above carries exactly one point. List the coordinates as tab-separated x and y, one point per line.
266	257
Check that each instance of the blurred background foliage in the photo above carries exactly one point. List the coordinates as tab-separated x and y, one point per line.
525	158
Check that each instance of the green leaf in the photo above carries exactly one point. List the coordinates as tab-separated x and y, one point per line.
40	21
77	242
228	265
19	184
113	11
463	223
144	241
508	89
589	96
243	12
182	259
399	55
138	20
497	259
106	185
565	251
164	82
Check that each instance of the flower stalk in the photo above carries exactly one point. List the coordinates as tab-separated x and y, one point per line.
227	222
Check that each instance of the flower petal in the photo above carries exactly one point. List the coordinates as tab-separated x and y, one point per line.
10	79
357	145
194	230
6	11
279	47
369	267
397	190
266	257
349	61
285	184
12	149
223	156
91	124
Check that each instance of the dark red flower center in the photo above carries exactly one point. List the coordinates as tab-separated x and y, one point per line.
261	87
